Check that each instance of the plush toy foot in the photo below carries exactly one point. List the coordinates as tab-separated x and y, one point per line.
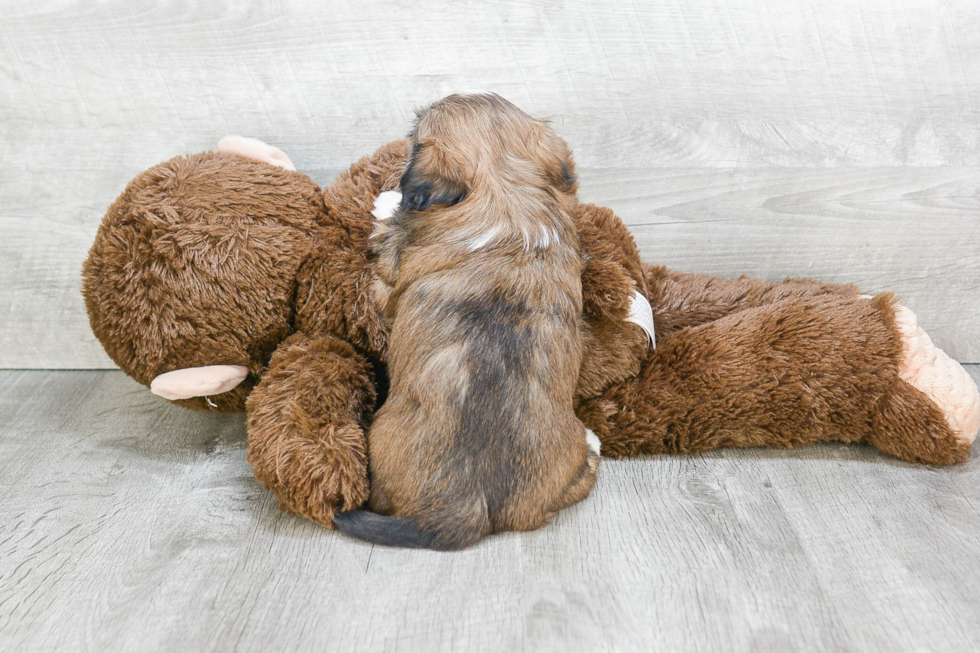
943	380
931	413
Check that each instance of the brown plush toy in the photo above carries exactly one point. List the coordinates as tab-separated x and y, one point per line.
227	281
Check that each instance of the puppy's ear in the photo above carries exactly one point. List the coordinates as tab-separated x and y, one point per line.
568	177
563	178
419	192
561	170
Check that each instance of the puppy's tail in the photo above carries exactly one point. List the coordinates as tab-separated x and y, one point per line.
451	530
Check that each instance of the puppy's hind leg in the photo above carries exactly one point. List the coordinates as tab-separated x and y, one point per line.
584	478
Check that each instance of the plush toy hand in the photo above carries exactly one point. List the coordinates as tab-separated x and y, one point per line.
613	306
253	148
305	426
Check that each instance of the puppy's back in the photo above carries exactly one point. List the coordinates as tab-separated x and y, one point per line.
487	417
483	272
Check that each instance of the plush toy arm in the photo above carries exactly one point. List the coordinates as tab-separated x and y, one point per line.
797	371
614	346
306	421
611	275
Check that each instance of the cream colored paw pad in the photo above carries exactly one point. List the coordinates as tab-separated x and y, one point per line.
929	369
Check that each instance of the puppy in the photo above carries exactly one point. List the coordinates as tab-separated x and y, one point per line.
484	296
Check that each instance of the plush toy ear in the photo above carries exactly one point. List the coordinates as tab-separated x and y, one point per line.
198	381
419	192
253	148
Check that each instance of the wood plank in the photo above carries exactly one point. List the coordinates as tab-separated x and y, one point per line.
669	83
127	523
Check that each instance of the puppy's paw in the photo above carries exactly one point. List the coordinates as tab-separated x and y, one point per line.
931	371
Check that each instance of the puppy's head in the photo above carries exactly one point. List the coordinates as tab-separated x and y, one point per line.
467	145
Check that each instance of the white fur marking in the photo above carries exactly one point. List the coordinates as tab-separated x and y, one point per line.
544	241
386	204
527	240
548	236
483	239
593	441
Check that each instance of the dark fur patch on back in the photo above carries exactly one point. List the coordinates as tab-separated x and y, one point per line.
498	360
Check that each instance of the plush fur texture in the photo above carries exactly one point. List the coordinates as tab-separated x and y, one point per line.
336	293
614	349
214	259
196	264
306	421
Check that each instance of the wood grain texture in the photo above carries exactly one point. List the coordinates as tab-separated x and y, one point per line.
93	93
671	82
129	524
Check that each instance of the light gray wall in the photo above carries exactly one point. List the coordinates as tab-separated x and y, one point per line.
835	139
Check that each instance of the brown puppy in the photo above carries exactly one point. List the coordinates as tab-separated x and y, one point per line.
482	261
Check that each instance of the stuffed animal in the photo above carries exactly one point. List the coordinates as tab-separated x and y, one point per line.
228	281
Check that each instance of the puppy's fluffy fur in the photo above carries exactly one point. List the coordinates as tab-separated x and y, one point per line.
483	269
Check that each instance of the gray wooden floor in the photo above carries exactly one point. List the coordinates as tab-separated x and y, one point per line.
128	524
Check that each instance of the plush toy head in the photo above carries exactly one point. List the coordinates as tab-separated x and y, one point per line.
206	264
188	271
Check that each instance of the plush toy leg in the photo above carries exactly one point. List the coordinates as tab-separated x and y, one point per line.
305	427
797	371
684	300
